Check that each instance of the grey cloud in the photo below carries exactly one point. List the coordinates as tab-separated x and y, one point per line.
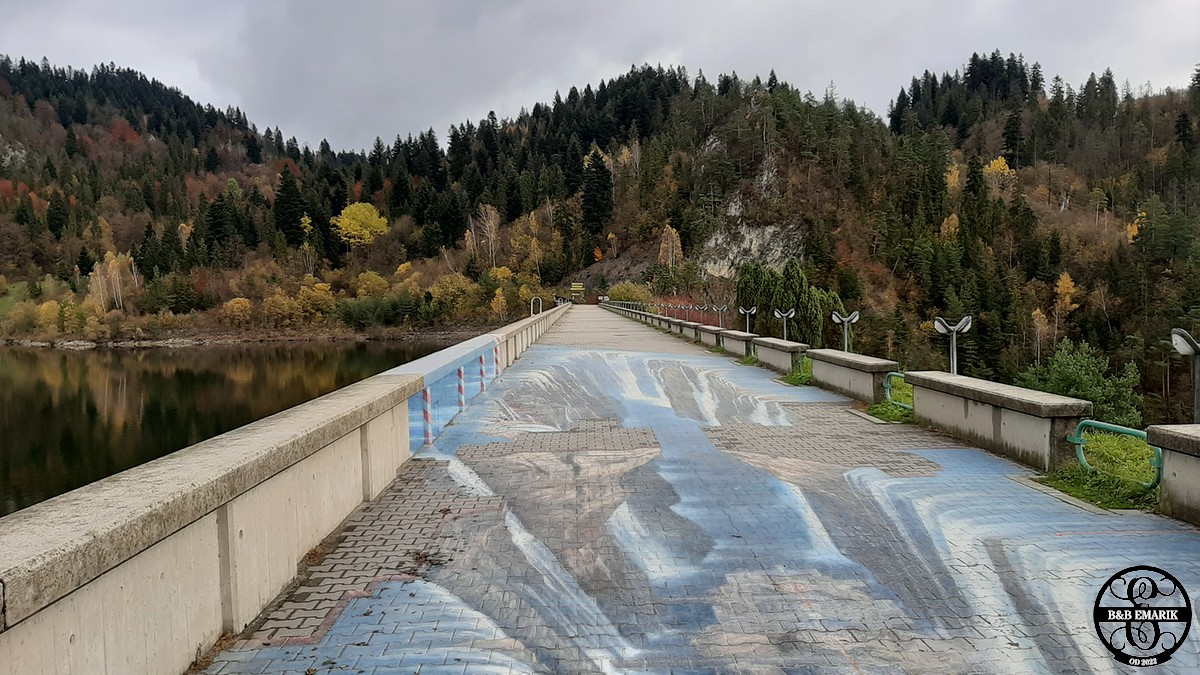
349	71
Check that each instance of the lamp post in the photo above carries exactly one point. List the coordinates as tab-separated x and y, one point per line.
720	310
954	331
845	321
702	309
1185	344
747	311
785	316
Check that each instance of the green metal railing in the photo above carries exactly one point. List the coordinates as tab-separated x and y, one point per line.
1079	441
887	390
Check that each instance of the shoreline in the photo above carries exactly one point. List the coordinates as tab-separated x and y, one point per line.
187	341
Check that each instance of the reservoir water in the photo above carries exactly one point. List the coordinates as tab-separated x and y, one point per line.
68	418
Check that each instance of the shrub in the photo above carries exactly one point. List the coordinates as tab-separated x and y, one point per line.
316	300
1080	372
22	318
280	311
387	310
627	291
49	314
370	283
237	312
452	293
115	320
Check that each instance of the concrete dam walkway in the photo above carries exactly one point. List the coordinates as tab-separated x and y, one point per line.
622	501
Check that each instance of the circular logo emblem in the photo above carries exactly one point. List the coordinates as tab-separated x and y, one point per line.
1142	615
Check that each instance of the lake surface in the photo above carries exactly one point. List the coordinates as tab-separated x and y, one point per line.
69	418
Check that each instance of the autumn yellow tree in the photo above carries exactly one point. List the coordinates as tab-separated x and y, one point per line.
1065	291
499	306
999	176
1041	326
950	227
359	224
670	250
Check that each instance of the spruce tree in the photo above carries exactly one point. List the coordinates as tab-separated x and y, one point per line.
289	208
597	193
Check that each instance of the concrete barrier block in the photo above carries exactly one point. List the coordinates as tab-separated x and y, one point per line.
779	355
271	527
855	375
1022	424
711	335
150	615
1180	444
738	342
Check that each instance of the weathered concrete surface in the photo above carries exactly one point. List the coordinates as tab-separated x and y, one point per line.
855	375
1180	443
738	342
711	335
1022	424
1028	401
783	356
44	556
623	501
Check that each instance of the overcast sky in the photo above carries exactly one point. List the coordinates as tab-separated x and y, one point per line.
351	70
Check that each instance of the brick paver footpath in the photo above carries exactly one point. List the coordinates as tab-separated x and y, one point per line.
621	501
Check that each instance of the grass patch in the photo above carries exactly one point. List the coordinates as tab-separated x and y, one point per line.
800	377
717	350
16	293
1122	463
748	360
901	391
890	412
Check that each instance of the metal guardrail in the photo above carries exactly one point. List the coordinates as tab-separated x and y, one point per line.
887	390
1077	439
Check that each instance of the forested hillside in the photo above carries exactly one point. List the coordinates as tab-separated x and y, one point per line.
1044	211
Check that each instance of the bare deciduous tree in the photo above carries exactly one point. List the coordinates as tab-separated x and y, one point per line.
488	221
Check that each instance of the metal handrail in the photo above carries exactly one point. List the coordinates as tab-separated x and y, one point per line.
1077	439
887	390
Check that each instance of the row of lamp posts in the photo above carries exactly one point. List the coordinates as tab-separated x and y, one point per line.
1181	340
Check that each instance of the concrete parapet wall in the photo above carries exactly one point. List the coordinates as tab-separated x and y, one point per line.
690	330
738	342
711	335
142	571
139	572
853	375
780	355
1023	424
1180	495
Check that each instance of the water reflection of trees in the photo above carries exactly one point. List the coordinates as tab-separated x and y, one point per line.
68	418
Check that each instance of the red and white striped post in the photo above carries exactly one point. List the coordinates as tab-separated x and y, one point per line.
496	361
462	390
428	400
482	374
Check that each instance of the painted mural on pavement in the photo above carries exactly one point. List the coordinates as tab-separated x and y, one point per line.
642	512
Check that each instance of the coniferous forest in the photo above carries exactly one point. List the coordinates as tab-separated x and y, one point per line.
1056	214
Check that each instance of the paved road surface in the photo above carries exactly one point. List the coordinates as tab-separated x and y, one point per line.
622	501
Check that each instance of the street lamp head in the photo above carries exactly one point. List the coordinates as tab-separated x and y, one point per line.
963	325
1184	343
839	319
941	326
